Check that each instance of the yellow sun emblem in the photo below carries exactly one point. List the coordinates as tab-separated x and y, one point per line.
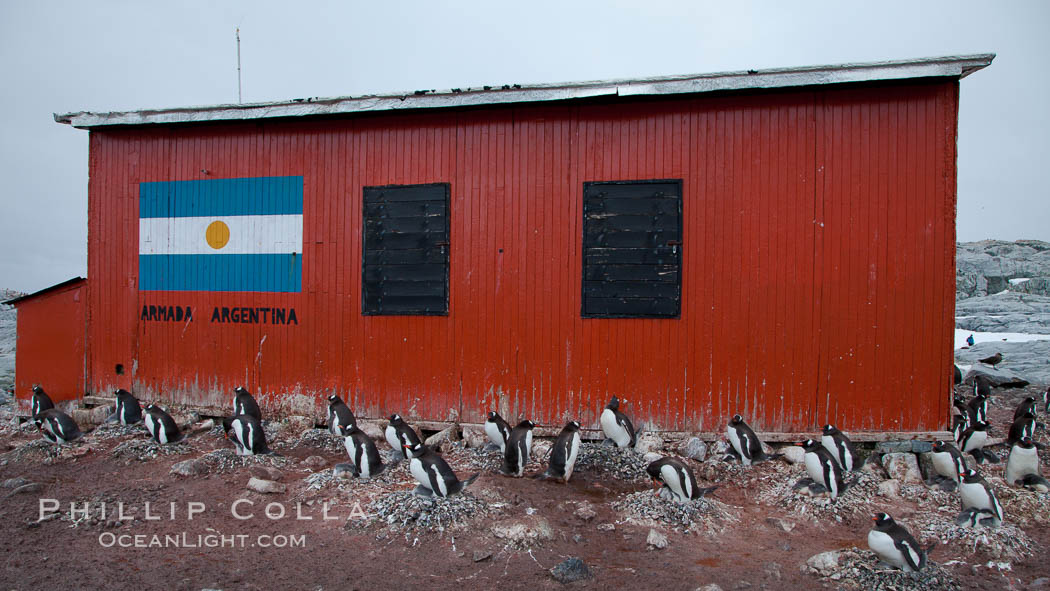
217	234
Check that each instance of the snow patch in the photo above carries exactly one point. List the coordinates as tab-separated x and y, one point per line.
987	337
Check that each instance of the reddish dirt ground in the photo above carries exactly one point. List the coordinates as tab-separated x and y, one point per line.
751	554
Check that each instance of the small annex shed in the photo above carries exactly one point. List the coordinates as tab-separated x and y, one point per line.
50	345
776	243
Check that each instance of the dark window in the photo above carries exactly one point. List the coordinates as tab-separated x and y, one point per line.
632	249
405	266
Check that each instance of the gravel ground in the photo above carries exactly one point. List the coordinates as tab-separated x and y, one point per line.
701	515
619	462
404	510
861	569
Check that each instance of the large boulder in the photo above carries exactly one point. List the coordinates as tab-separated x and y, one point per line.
903	467
1005	311
993	266
1023	363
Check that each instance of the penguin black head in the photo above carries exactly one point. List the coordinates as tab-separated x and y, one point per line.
940	446
227	423
736	420
493	415
614	404
121	392
38	390
572	426
970	476
882	521
395	419
415	449
149	407
527	424
1026	443
979	426
333	399
810	445
830	430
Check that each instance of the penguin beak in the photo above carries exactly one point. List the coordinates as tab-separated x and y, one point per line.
874	519
656	485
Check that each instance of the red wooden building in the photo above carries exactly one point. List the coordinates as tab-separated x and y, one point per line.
774	243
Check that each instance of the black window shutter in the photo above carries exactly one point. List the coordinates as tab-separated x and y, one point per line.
406	250
632	249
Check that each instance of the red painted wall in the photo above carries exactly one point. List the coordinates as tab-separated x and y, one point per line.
818	262
49	352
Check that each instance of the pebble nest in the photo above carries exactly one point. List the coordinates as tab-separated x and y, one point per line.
405	511
704	514
861	569
467	461
777	479
39	450
619	462
1006	541
320	439
142	450
115	430
225	460
1023	505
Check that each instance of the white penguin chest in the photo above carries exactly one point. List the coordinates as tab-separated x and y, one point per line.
614	430
494	435
976	441
944	464
1021	463
419	472
882	544
974	496
391	438
673	480
574	450
814	468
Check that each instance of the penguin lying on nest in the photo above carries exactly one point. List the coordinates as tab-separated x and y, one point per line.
825	474
433	473
247	434
617	426
1022	467
948	462
744	445
56	426
980	505
675	481
895	546
127	410
364	455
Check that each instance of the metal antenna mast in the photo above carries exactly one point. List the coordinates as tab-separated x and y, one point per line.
239	65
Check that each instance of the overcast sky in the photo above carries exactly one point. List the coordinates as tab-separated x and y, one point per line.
101	56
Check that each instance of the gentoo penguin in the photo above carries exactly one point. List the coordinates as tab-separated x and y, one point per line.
960	423
1046	400
56	426
960	405
972	442
433	473
563	454
160	425
363	452
977	494
399	434
993	360
339	416
616	425
958	375
894	545
498	430
247	434
244	403
1023	426
823	468
41	401
977	408
947	461
745	444
982	386
1022	467
1027	405
519	446
127	411
674	477
840	447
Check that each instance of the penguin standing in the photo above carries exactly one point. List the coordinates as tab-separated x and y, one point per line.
958	377
1027	406
823	468
960	405
947	461
363	452
340	418
745	444
960	423
1046	400
563	453
244	403
127	411
41	401
247	434
977	496
894	545
1023	426
973	440
433	473
519	446
616	425
840	447
1022	467
160	425
674	479
977	408
498	430
398	434
56	426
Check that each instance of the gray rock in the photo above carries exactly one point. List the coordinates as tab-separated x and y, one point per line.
343	470
29	487
474	436
651	456
480	555
523	532
655	539
907	446
794	454
374	429
189	468
890	488
585	511
1028	358
903	467
693	448
540	449
1040	583
266	473
823	563
571	570
266	487
606	527
649	443
986	267
709	587
443	439
15	482
781	524
314	463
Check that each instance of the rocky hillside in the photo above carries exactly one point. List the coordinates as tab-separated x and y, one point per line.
992	266
7	343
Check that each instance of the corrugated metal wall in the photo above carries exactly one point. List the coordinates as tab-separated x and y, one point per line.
51	335
818	262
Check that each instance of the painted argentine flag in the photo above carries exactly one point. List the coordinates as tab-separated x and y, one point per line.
221	235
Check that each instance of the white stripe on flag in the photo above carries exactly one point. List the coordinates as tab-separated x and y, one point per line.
249	234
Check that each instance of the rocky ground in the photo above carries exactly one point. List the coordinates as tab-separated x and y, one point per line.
605	528
7	343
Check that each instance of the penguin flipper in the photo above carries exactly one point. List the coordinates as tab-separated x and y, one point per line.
801	484
702	492
113	418
423	491
490	447
1035	482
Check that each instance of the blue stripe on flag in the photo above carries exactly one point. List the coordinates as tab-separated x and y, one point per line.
221	272
274	195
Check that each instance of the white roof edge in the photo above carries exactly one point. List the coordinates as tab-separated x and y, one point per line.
949	66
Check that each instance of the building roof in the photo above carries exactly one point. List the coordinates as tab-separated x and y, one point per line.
46	290
950	66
